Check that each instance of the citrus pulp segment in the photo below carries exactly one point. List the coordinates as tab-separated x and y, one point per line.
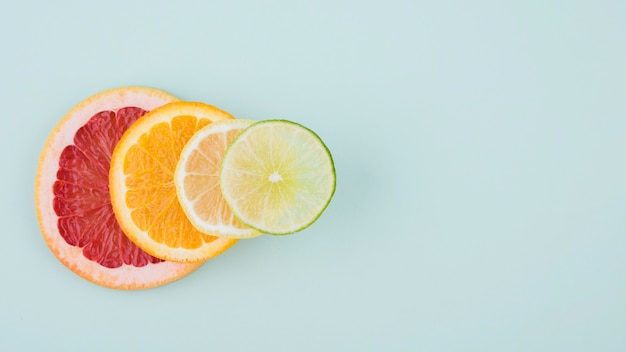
72	196
277	176
141	182
198	185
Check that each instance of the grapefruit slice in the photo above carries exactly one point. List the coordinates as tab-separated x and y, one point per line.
72	193
141	181
197	180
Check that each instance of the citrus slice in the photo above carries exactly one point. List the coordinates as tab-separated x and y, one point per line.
72	195
142	183
198	185
277	176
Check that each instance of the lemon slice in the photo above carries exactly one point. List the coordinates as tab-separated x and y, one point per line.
198	185
277	176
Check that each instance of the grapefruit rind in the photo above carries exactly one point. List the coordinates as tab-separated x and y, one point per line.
126	276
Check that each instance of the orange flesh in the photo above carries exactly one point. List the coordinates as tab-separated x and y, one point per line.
149	167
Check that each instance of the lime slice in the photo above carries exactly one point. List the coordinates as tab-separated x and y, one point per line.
277	176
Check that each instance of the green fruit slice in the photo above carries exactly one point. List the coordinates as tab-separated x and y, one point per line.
277	176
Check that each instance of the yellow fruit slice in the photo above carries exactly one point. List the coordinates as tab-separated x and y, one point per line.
198	185
277	176
141	182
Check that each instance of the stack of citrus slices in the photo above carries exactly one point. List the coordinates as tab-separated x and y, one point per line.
136	188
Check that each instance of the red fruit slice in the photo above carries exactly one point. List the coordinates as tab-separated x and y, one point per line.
72	193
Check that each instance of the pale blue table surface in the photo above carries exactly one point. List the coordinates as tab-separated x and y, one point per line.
479	147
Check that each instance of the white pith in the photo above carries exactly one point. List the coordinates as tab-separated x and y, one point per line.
274	177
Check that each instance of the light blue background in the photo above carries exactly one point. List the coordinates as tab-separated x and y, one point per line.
479	148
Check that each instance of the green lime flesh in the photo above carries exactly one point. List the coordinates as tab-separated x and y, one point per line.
278	177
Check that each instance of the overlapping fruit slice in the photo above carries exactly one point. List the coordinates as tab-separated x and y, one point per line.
72	193
142	187
136	189
197	180
277	176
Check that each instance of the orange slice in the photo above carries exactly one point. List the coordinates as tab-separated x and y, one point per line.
197	180
141	182
72	196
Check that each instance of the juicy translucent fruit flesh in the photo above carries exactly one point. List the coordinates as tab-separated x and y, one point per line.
149	168
279	177
81	192
202	181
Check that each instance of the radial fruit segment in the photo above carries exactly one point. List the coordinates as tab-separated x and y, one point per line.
72	195
142	187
